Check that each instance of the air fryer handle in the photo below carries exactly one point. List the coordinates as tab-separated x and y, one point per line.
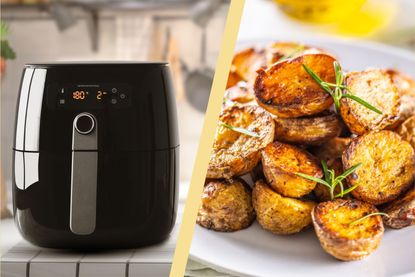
84	174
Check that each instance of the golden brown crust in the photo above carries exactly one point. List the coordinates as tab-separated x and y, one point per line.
226	206
407	130
281	161
388	166
377	88
401	211
331	149
314	130
247	61
287	90
278	214
340	237
233	153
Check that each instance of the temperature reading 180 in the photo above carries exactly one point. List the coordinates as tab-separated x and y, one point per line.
79	95
100	94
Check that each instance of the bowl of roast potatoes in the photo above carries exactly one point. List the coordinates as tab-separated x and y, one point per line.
277	122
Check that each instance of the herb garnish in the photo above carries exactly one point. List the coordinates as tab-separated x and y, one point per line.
240	130
336	90
368	215
331	181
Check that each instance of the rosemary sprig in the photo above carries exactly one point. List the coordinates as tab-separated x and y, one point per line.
240	130
368	215
331	181
296	50
337	90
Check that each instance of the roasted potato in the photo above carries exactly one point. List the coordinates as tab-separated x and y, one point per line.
281	161
241	93
278	214
340	236
404	83
313	130
285	89
331	149
234	153
407	130
388	166
401	211
377	88
226	206
321	191
247	61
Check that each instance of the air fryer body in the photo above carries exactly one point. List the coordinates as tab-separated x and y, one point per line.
96	155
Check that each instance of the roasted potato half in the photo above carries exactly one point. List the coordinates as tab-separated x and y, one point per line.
331	149
278	214
281	161
401	211
377	88
313	130
388	166
234	153
285	89
404	83
247	61
339	234
226	206
407	130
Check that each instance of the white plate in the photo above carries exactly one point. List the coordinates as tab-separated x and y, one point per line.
256	252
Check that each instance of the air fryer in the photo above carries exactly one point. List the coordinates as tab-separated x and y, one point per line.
95	155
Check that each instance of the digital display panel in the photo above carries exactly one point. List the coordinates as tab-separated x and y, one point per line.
91	95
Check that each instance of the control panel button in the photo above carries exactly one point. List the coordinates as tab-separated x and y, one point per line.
84	123
114	101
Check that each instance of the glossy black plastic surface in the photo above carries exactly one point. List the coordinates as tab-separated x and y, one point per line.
138	150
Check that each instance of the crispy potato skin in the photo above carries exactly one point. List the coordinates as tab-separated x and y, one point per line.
401	211
313	130
278	214
285	89
247	61
404	83
377	88
233	153
331	149
281	161
226	206
407	130
339	238
388	166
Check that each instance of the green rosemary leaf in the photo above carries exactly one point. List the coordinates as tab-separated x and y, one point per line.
325	171
368	215
347	172
362	102
305	176
240	130
316	78
339	73
346	191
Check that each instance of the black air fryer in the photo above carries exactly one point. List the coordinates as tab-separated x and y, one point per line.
96	155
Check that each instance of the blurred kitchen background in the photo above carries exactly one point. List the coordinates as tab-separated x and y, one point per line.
187	33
